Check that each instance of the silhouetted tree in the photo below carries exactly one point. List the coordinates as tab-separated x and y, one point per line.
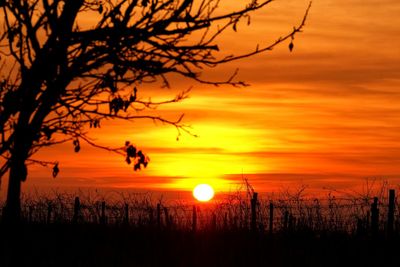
61	73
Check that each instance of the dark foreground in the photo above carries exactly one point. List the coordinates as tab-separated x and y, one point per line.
96	245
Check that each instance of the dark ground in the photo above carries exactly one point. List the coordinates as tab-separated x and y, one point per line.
96	245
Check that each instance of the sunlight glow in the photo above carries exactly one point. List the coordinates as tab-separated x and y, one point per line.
203	192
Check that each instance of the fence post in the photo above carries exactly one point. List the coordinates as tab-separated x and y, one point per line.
194	218
158	215
126	213
77	210
271	218
375	217
167	221
151	216
49	211
286	220
253	203
390	220
103	213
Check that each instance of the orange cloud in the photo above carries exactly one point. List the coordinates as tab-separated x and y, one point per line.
326	114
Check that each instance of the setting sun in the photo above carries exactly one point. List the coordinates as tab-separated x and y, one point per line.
203	192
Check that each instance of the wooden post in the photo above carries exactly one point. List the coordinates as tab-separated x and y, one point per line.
285	220
103	213
126	213
253	202
49	211
390	220
167	222
194	218
271	218
151	216
77	210
375	217
158	215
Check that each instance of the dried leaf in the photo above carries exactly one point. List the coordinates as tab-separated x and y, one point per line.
136	166
77	146
291	46
131	151
56	170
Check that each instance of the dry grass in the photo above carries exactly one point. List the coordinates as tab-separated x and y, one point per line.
292	211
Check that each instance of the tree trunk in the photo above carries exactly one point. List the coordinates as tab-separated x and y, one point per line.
17	174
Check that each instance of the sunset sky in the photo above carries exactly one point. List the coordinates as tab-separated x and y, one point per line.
326	115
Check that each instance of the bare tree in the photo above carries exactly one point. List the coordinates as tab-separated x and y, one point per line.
60	75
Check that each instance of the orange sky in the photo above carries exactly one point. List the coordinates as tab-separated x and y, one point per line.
326	115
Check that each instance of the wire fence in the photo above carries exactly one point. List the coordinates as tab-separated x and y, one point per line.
235	211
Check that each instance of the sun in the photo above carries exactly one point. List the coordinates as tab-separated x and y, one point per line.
203	192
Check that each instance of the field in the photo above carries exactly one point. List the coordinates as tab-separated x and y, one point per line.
241	230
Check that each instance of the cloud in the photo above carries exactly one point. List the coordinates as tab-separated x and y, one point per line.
325	115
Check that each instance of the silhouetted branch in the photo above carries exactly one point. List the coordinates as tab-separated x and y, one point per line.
66	76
